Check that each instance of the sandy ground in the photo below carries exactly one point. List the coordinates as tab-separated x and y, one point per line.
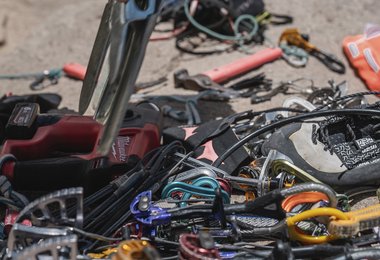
45	34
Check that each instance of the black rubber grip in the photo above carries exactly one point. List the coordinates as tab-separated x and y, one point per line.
57	173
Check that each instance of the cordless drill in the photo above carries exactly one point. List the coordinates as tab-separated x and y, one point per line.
44	152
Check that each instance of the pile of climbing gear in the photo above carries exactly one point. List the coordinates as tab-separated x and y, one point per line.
234	23
248	185
298	180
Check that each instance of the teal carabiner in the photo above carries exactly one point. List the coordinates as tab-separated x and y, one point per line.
203	187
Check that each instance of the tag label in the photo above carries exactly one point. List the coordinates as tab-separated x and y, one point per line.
120	148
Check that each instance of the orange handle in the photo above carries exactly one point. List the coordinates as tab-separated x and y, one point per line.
75	70
243	65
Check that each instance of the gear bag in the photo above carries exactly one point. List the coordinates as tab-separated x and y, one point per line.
363	52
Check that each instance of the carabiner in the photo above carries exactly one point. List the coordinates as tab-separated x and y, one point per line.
203	186
330	61
295	234
294	55
292	201
294	38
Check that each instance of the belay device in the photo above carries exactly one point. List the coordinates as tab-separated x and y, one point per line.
47	152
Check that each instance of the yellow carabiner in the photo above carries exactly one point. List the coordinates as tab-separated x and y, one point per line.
308	239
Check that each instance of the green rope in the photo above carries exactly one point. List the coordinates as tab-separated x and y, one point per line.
238	37
53	73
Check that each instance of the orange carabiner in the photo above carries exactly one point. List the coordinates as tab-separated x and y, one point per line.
304	197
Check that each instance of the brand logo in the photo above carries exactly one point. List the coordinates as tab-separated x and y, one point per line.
120	148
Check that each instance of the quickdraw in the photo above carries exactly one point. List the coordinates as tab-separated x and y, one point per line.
294	38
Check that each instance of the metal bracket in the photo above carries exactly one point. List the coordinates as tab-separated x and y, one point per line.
57	248
52	209
22	236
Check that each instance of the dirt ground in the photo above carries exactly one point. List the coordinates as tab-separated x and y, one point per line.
44	34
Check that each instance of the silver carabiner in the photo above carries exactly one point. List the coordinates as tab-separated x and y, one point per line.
294	56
